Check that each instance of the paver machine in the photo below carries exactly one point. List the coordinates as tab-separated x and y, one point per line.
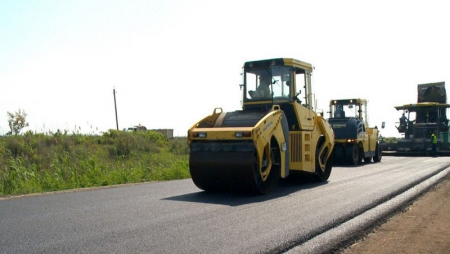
420	120
276	132
354	139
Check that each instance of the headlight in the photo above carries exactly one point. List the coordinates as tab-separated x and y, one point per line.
242	134
199	134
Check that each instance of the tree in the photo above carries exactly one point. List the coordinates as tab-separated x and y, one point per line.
17	122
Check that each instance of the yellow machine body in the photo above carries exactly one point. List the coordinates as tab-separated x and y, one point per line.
273	134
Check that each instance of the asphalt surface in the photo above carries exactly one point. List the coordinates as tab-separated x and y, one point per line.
177	217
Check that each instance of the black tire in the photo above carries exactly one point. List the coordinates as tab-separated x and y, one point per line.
352	154
378	153
338	154
322	175
271	162
367	159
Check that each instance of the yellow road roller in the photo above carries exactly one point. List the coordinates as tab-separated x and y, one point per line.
277	131
354	139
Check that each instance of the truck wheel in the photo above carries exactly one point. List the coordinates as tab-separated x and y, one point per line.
367	159
267	171
322	175
378	153
352	154
338	154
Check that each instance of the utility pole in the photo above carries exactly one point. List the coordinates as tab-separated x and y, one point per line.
115	106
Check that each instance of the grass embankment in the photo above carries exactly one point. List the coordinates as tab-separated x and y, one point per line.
33	163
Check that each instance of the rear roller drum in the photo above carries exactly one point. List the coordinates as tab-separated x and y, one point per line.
322	174
338	154
378	153
352	155
267	171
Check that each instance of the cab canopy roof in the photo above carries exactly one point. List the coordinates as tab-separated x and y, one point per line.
422	105
348	101
278	62
432	92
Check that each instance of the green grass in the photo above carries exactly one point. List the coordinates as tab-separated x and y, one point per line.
33	163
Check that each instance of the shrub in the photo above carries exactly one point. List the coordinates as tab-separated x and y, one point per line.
57	161
179	146
15	145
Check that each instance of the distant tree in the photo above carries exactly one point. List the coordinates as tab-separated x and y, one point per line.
17	122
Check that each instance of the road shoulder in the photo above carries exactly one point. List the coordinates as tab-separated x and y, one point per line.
422	227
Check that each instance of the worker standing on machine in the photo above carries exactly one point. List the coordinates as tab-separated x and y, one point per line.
433	144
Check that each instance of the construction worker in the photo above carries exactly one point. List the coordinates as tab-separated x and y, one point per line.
433	144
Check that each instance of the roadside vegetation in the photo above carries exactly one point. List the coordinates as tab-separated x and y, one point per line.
33	163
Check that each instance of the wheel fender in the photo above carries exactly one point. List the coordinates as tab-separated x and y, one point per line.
285	158
328	144
281	134
269	127
361	149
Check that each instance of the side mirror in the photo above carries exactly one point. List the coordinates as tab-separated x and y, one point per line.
383	124
296	97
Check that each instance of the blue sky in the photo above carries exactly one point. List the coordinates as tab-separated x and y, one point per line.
173	62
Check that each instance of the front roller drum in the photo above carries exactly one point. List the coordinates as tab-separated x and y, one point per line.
231	171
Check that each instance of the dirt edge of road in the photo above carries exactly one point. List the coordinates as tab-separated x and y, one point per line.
70	190
421	226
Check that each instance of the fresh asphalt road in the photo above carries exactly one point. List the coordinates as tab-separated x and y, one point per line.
177	217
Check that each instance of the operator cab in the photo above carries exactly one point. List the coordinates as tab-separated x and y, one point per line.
270	82
351	108
348	117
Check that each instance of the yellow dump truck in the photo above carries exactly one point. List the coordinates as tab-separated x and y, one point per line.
276	132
